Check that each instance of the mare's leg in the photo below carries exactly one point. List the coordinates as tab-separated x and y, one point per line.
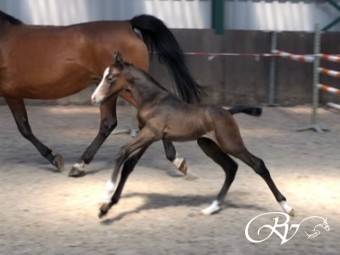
260	168
180	163
229	166
108	121
19	113
128	155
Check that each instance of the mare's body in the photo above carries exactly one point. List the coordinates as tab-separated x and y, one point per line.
50	62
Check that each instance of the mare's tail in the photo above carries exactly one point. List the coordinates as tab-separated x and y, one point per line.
253	111
160	40
10	19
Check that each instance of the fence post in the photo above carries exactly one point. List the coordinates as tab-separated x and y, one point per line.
315	97
316	75
272	71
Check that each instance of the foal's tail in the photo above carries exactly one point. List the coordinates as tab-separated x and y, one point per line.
253	111
160	40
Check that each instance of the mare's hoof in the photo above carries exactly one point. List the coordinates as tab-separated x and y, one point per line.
58	162
101	214
75	172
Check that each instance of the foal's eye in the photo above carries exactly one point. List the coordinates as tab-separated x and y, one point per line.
109	79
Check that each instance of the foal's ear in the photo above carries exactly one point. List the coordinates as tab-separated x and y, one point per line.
117	56
117	59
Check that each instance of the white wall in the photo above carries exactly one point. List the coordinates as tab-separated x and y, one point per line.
176	14
239	14
279	15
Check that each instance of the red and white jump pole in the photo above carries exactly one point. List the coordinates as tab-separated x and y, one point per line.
317	70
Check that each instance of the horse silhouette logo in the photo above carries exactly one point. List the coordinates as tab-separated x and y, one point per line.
281	227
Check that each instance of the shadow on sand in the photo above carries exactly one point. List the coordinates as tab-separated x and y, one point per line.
159	201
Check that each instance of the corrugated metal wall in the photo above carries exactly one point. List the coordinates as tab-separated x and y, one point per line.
280	15
176	13
239	14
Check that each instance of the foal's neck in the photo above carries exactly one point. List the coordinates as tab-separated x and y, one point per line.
144	88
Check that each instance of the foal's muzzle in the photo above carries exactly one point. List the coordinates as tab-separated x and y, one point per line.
95	100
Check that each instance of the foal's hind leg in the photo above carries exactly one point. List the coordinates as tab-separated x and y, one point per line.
107	123
229	166
260	168
19	113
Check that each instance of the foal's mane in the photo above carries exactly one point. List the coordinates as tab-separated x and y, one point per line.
10	19
147	76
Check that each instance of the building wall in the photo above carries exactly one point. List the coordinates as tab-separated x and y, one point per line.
229	79
282	15
177	14
266	15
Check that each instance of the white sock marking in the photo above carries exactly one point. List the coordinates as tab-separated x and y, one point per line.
79	166
214	207
286	207
177	161
109	188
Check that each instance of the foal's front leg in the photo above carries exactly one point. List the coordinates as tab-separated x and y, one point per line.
128	167
129	156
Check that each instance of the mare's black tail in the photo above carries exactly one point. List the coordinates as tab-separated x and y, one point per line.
10	19
160	40
253	111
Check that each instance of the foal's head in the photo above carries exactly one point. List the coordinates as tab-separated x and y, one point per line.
115	80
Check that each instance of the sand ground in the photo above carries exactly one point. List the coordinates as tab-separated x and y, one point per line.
44	212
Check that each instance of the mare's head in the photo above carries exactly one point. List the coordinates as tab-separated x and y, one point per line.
115	80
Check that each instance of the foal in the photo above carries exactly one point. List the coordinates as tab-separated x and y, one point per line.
162	115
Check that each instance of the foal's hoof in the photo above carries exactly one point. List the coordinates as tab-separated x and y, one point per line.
211	209
58	162
75	172
183	167
103	210
287	208
292	213
189	176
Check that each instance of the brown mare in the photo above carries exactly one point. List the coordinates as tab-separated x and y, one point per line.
50	62
162	115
